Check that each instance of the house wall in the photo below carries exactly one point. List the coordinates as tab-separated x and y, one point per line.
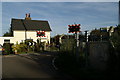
20	36
3	38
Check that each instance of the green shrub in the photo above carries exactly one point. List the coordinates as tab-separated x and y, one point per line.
67	61
53	48
8	48
68	45
19	47
38	47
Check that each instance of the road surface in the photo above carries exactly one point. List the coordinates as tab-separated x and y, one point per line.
30	66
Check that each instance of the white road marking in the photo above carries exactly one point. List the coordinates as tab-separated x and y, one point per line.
53	61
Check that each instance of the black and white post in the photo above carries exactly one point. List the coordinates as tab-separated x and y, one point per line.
75	28
77	46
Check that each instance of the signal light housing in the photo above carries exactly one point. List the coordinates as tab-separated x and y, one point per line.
40	33
74	28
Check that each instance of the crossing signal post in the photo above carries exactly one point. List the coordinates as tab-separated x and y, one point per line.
75	28
40	34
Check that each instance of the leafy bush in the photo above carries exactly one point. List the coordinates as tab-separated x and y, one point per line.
116	42
116	38
8	48
53	48
39	46
67	63
68	45
67	60
19	47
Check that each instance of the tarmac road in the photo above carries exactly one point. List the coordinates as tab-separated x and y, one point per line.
30	66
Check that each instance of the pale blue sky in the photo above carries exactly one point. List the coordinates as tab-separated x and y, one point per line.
90	15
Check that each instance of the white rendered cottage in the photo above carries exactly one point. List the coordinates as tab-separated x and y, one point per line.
24	29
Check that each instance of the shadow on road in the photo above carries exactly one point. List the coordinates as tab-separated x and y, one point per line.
44	60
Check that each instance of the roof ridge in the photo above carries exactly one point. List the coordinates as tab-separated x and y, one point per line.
17	24
28	20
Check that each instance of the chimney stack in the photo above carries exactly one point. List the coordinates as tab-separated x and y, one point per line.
28	16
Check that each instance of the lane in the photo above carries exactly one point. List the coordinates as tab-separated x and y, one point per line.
30	66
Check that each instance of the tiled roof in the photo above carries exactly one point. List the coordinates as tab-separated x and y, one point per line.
22	24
